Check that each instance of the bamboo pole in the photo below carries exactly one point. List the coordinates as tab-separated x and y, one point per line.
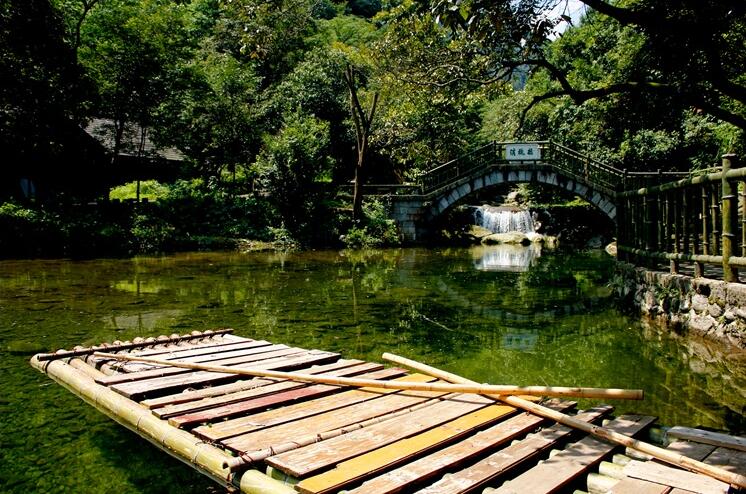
554	391
676	221
741	190
206	458
729	212
60	354
601	432
715	217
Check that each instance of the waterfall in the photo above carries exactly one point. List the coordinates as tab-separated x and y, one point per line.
503	220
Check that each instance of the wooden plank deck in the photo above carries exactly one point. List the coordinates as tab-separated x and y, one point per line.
327	438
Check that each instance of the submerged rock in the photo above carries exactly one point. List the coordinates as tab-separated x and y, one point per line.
479	232
24	348
515	238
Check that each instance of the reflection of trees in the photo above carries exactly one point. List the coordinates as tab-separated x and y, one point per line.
550	324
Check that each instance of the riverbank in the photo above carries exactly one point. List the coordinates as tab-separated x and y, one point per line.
711	309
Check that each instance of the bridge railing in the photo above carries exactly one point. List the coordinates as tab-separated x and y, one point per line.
462	166
582	166
569	161
697	223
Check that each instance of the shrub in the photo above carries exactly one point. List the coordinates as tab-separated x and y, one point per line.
28	232
151	233
149	189
376	228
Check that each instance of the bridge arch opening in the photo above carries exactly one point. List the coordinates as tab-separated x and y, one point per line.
458	193
553	211
496	164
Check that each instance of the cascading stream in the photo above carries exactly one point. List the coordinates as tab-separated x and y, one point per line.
503	220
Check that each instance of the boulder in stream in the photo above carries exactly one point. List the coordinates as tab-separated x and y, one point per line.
515	238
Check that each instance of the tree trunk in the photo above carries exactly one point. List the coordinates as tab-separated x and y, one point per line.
362	132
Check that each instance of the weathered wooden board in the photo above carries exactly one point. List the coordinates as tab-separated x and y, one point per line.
728	459
637	486
243	425
674	477
246	384
695	451
386	401
228	358
313	458
201	346
284	398
166	385
451	457
708	437
276	387
163	348
402	451
499	463
575	460
189	354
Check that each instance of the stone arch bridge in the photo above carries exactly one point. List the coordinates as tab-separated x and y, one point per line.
415	207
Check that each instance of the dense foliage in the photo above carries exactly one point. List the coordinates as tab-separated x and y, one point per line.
253	93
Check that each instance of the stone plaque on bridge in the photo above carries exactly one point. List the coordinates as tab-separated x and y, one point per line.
522	151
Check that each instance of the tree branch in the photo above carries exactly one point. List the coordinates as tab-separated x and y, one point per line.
622	15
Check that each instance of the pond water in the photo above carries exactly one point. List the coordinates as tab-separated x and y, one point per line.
496	315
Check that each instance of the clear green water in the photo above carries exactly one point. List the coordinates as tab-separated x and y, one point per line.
551	324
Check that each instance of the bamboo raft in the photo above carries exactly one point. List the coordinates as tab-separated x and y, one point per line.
348	425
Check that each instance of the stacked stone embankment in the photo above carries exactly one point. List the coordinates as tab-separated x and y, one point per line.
713	309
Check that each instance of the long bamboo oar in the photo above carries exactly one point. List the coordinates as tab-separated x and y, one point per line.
607	434
630	394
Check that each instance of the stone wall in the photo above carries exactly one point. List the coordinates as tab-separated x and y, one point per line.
715	310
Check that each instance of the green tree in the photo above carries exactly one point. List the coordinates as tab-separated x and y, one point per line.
273	33
75	13
40	90
130	49
639	132
290	166
426	122
212	115
693	48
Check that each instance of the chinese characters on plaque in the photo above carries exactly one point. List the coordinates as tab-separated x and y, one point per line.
522	152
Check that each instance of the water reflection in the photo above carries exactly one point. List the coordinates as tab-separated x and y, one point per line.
143	322
506	257
471	311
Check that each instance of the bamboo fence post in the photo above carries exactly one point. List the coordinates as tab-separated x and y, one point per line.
606	434
687	223
650	223
621	219
729	213
555	391
667	227
699	267
676	213
715	217
742	214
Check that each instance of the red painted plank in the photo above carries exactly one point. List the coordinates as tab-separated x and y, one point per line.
243	385
243	396
265	402
164	385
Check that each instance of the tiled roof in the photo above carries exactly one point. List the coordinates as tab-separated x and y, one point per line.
102	129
